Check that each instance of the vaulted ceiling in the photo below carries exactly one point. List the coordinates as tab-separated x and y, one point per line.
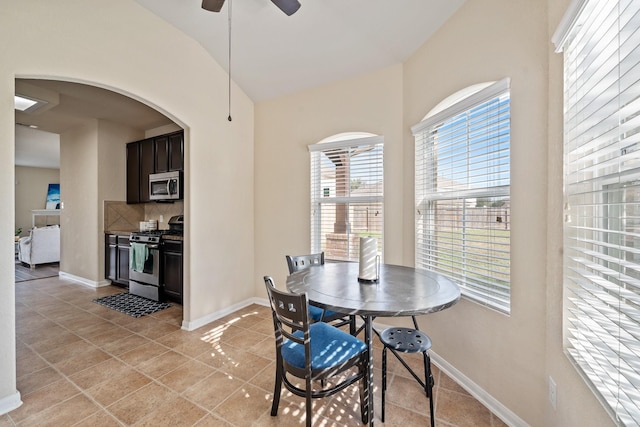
272	55
325	40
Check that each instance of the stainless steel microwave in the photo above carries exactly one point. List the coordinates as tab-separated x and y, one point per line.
165	186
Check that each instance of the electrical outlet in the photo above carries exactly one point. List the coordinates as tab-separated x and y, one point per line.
161	218
553	393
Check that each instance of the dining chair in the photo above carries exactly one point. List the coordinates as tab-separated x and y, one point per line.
407	340
314	352
319	314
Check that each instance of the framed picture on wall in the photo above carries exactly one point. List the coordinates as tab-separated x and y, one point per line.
53	197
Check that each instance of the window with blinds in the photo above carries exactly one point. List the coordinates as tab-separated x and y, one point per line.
601	44
462	184
347	196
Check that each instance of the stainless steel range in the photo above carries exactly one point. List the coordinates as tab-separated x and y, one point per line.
145	269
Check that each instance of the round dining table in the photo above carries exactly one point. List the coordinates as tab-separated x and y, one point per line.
398	291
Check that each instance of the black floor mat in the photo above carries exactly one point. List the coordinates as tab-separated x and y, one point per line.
132	305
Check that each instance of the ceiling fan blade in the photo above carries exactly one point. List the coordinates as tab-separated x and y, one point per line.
287	6
212	5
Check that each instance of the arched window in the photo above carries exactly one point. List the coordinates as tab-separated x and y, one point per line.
462	184
347	194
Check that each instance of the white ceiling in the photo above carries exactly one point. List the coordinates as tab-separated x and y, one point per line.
78	102
272	55
36	148
73	104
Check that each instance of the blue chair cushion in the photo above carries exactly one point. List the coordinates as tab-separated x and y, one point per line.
315	313
329	347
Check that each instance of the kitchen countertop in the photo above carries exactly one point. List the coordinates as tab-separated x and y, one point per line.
119	232
173	237
127	233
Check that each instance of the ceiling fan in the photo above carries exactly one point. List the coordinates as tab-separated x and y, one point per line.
287	6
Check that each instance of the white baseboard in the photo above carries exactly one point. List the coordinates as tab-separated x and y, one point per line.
261	301
82	280
9	403
491	403
195	324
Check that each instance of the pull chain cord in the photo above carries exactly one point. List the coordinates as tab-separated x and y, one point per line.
229	118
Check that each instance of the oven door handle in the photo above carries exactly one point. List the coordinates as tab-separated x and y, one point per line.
153	246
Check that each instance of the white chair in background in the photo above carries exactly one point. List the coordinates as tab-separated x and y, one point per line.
41	246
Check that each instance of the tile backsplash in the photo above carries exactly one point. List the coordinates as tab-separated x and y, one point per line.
166	210
120	216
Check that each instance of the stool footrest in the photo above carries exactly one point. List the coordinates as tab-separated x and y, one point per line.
413	374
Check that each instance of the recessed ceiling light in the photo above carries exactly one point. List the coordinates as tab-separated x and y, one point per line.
26	104
27	126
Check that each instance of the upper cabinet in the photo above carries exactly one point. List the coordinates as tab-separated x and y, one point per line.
169	152
133	172
162	153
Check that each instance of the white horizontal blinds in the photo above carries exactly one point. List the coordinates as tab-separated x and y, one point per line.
463	210
347	196
602	191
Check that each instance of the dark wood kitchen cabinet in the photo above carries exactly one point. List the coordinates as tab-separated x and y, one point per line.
133	172
159	154
140	163
172	270
169	152
116	262
110	256
147	161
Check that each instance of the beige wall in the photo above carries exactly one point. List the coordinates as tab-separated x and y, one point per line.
284	129
92	170
31	193
487	41
111	159
110	162
150	133
509	357
149	60
79	199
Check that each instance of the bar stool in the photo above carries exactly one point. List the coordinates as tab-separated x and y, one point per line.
407	340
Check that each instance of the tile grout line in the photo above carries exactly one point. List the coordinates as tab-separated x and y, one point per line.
251	325
72	382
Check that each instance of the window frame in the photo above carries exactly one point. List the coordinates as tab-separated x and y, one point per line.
601	275
319	199
487	291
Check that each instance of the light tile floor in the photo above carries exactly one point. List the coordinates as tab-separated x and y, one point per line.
81	364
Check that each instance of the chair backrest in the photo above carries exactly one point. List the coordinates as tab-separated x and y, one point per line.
300	262
46	239
290	313
50	231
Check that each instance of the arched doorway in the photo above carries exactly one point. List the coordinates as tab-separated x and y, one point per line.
93	125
